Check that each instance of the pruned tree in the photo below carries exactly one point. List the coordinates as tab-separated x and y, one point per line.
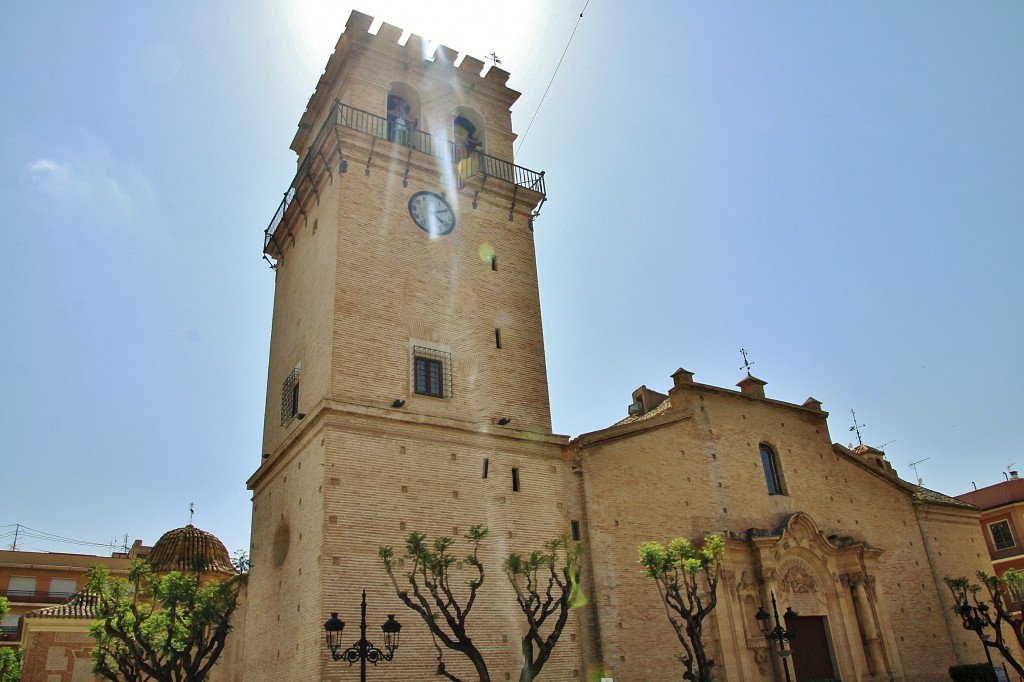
547	586
10	658
978	616
167	628
431	595
687	578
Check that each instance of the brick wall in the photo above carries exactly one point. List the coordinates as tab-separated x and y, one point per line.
697	468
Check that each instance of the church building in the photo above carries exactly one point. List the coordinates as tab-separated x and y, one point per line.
407	391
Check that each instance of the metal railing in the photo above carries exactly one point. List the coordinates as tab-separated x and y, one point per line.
469	163
35	596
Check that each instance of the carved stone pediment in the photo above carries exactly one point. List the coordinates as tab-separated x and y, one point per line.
797	579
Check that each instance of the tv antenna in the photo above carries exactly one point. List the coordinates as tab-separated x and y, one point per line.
857	427
494	58
1006	472
920	481
746	364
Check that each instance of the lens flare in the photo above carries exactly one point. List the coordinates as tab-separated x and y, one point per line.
486	252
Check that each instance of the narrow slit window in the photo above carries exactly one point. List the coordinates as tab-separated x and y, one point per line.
575	525
494	261
487	464
515	479
497	338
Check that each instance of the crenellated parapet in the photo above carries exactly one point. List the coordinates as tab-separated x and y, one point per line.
445	81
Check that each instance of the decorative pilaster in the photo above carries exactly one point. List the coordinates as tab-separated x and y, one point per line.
866	620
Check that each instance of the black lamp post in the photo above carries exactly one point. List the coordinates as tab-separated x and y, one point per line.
975	618
778	634
362	650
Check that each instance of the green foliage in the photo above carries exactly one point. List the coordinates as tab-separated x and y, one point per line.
974	672
10	663
1014	580
168	627
687	578
10	658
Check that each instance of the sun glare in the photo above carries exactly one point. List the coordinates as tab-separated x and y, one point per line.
468	27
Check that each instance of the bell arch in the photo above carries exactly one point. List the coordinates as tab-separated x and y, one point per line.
468	131
403	114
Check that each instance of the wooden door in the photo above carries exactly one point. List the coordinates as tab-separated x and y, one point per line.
812	659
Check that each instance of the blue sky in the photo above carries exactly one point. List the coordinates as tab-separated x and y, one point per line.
836	187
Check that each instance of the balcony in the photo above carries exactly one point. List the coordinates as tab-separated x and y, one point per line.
35	596
474	168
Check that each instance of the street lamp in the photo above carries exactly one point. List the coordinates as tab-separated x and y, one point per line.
975	618
778	634
362	650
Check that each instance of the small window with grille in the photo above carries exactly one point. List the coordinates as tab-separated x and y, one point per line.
431	372
1002	538
290	396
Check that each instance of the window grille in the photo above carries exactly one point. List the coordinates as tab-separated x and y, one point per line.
290	397
432	372
1002	538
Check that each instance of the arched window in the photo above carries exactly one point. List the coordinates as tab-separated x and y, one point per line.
772	476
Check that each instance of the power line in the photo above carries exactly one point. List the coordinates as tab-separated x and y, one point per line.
22	531
523	138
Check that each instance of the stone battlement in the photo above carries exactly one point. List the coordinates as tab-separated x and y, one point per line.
357	21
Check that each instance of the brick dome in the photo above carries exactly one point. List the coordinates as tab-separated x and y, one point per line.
182	549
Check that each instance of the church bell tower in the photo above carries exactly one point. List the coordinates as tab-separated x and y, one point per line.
407	387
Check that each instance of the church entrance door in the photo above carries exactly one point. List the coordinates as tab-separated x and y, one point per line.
812	659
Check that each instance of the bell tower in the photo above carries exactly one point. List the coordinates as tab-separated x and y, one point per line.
407	387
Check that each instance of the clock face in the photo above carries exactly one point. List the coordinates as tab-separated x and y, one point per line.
432	213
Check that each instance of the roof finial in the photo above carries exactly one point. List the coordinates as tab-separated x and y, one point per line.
856	427
746	364
191	512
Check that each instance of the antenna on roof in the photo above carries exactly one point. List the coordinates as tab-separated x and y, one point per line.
494	58
1006	473
746	363
920	481
856	428
882	446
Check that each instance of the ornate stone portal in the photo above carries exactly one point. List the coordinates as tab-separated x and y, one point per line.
828	580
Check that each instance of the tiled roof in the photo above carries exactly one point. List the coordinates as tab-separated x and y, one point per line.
79	605
929	495
181	548
662	408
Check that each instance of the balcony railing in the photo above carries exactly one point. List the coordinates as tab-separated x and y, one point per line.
468	163
35	596
8	632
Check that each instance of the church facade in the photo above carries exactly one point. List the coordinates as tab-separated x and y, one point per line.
407	391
